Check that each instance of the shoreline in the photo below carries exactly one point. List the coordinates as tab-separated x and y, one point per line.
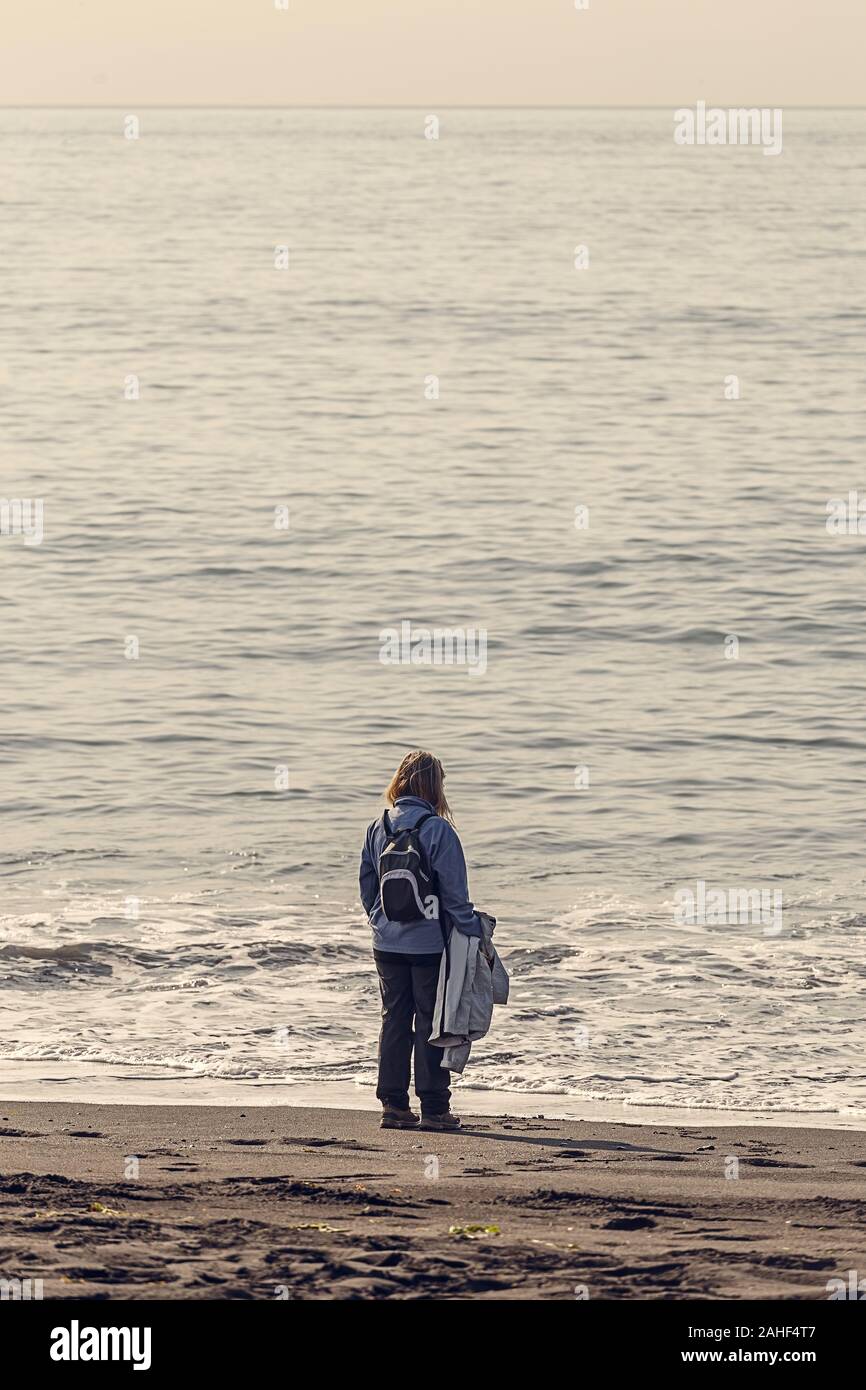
34	1083
272	1202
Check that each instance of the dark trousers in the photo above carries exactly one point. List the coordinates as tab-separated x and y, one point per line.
408	987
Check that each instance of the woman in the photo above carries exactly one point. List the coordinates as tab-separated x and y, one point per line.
408	952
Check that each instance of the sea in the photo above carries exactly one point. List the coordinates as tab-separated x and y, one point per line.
282	380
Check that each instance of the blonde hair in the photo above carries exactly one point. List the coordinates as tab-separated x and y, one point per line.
420	774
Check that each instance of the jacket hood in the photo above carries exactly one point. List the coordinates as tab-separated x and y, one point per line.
407	811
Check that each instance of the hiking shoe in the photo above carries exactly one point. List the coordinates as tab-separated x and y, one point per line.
444	1121
392	1118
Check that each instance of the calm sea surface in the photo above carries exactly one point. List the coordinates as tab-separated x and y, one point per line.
171	909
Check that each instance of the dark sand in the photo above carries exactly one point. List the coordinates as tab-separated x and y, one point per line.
304	1203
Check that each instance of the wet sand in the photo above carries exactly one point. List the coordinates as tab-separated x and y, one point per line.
116	1201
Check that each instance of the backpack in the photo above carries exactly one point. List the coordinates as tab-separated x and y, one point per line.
406	881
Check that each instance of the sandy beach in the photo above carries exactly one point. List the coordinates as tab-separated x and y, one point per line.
219	1202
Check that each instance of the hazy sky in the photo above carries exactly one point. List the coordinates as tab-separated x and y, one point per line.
432	52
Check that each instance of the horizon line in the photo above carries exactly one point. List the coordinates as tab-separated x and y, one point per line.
383	106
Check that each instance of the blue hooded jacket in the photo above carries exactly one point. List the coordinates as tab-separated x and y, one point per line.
441	844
